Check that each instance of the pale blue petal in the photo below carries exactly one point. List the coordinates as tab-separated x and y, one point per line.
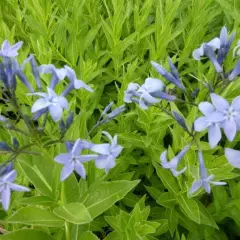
158	68
236	104
102	161
163	158
233	157
230	129
206	186
41	103
218	183
46	68
214	135
63	158
200	124
142	104
215	117
101	148
202	169
116	151
66	171
61	73
153	85
108	136
5	197
86	158
62	101
19	188
55	112
198	53
177	173
206	108
79	168
10	177
149	98
111	164
77	148
219	102
195	186
51	93
214	43
70	73
80	84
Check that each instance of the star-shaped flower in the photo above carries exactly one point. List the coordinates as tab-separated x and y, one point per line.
173	164
204	180
201	123
50	102
6	185
10	51
73	160
108	153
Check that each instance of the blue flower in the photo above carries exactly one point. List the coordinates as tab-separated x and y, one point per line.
143	95
233	157
108	153
235	72
73	160
201	123
173	164
228	116
6	185
49	102
172	76
58	74
77	84
10	51
207	49
204	180
225	44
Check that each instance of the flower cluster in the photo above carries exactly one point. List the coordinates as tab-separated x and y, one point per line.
74	159
217	115
51	103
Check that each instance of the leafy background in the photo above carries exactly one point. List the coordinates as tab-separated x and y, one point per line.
110	44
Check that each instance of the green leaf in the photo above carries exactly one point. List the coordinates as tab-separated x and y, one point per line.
75	213
189	207
90	36
167	178
102	196
38	180
167	200
35	216
88	236
38	200
26	234
205	216
71	189
172	219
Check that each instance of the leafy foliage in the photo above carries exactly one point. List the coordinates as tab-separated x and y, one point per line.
110	43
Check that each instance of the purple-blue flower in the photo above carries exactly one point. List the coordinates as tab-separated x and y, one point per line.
201	123
173	164
225	44
233	157
207	49
172	76
108	153
143	95
10	51
58	74
6	185
227	115
50	102
73	160
70	73
205	179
